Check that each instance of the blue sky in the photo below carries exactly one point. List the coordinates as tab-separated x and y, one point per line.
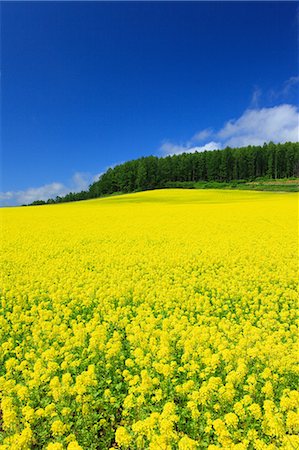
88	85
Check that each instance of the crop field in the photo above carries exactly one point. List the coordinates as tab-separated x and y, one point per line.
158	320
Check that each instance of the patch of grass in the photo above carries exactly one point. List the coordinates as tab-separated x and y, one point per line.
281	185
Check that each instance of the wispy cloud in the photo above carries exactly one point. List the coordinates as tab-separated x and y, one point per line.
254	127
79	181
97	176
288	90
290	84
256	97
202	135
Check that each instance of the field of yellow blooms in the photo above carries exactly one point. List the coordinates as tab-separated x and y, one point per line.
158	320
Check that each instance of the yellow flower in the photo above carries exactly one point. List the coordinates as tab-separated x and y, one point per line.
28	413
58	428
292	422
8	413
66	411
186	443
239	410
55	446
73	445
231	420
159	312
255	410
22	392
122	437
22	440
268	389
40	412
49	409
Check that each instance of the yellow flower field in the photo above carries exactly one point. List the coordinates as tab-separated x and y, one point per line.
158	320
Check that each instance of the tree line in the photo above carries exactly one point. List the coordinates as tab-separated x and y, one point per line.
246	163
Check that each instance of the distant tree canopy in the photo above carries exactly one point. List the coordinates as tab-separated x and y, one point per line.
152	172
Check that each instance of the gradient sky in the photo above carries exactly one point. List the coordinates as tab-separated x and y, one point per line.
87	85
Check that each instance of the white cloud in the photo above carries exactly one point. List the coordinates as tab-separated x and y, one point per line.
212	145
202	135
253	127
29	195
256	126
79	182
168	148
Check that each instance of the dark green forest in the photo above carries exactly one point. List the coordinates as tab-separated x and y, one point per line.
271	161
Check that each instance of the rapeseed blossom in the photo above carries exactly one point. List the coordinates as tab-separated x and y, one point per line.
157	320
